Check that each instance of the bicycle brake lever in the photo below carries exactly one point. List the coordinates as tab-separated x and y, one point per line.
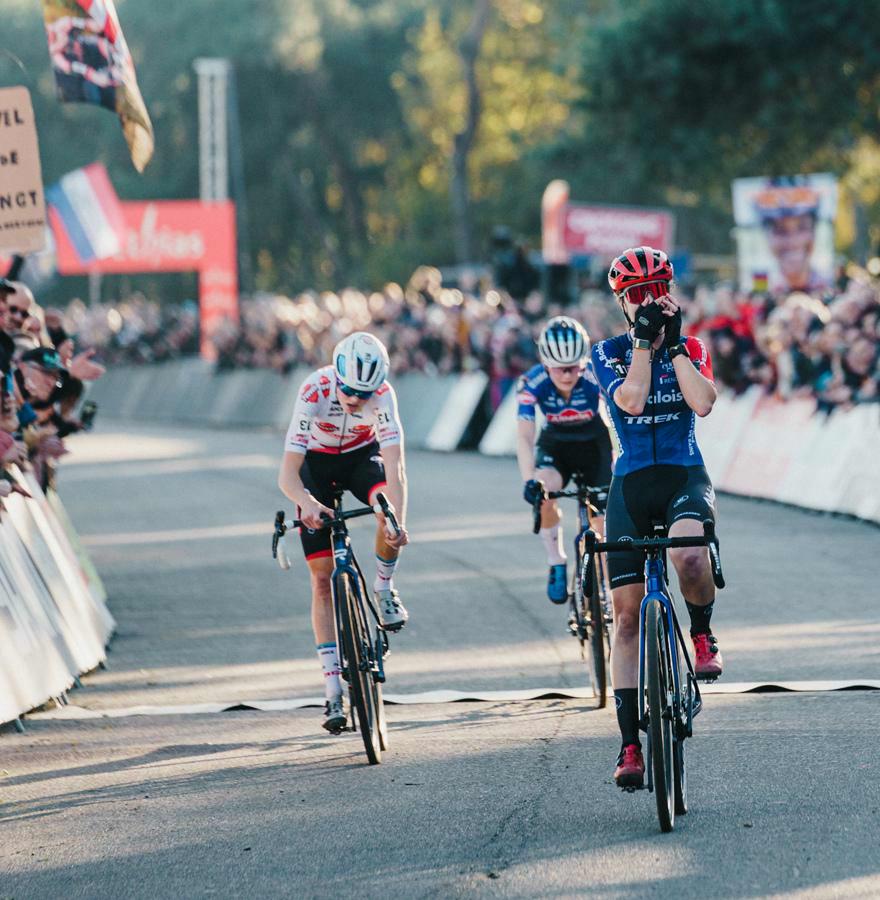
385	509
279	532
714	553
536	509
282	557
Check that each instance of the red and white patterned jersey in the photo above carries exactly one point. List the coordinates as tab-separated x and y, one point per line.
321	425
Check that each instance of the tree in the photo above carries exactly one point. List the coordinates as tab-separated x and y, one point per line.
463	141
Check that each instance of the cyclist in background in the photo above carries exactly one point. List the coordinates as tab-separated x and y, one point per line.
345	430
574	437
655	383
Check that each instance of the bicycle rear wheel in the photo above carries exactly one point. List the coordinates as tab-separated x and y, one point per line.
362	686
658	683
595	616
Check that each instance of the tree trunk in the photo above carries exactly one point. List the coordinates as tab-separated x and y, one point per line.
469	50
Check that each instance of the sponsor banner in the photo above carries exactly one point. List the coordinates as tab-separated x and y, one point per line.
607	230
85	207
175	236
785	232
92	64
22	205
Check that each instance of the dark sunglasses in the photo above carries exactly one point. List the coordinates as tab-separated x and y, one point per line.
16	311
639	293
351	392
567	370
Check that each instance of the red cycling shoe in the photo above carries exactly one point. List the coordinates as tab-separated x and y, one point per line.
707	657
630	771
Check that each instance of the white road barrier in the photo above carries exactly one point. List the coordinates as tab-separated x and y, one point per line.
759	446
54	622
454	416
191	392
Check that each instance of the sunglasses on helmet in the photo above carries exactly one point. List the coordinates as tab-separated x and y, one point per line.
353	392
639	293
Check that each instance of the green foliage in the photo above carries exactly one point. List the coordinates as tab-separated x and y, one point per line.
705	90
348	110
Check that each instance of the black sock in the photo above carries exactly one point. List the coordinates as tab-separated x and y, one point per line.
627	700
700	617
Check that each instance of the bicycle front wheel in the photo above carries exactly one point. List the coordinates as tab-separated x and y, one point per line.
658	685
362	686
595	616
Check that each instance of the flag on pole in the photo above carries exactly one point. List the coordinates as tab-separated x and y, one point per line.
92	64
84	206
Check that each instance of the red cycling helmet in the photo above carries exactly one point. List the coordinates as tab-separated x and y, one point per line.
639	265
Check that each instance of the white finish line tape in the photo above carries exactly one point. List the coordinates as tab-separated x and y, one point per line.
448	696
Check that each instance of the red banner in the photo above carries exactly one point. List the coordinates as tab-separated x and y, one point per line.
608	230
175	236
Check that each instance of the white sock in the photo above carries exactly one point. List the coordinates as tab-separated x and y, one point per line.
329	657
552	538
384	574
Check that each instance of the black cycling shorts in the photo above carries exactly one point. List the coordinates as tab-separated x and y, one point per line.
360	471
655	494
592	458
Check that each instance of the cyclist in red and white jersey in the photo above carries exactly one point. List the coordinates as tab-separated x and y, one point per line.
345	430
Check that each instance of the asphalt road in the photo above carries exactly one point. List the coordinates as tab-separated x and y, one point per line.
506	799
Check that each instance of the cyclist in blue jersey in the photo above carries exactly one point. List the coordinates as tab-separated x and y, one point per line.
655	383
574	437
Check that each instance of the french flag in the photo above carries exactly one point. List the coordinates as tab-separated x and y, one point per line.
85	207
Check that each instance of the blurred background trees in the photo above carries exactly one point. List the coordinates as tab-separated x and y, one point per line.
351	112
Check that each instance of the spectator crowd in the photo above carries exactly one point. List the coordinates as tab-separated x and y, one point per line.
41	384
795	345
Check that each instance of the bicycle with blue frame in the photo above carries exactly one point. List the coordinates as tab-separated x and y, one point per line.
590	617
669	695
360	635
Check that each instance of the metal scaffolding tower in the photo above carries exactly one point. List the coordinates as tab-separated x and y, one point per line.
213	77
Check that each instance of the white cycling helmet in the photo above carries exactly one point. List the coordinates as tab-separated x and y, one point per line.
361	361
563	342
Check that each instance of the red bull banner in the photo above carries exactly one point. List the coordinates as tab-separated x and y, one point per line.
173	236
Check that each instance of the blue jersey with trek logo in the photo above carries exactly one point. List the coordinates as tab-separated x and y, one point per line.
664	434
575	419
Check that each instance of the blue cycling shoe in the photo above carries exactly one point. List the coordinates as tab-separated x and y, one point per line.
557	584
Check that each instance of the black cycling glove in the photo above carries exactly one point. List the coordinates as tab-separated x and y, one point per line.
672	337
649	320
532	489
